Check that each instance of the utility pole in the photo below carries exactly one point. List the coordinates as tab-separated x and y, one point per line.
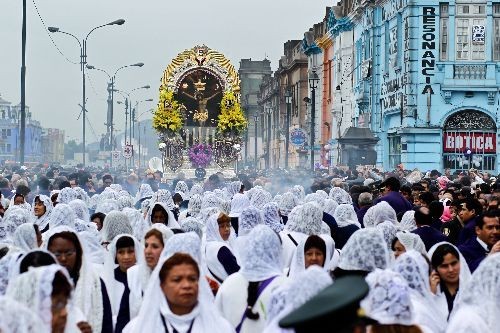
22	130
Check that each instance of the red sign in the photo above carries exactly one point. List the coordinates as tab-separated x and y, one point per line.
458	142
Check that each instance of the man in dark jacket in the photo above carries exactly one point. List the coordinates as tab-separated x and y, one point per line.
428	234
390	190
487	240
470	210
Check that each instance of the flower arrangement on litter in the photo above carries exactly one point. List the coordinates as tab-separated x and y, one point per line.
200	155
231	117
167	116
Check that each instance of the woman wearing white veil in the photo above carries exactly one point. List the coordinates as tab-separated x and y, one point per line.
41	209
17	318
479	305
260	274
292	294
160	212
124	252
155	239
44	290
414	268
157	314
90	293
27	237
447	261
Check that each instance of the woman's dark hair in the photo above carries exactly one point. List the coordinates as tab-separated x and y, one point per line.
175	260
18	195
37	200
36	259
442	250
70	237
177	198
3	251
61	285
124	241
252	295
99	215
316	242
158	208
223	218
177	231
156	233
393	243
394	328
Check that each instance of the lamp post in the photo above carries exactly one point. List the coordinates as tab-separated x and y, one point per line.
313	84
256	119
83	63
288	100
111	87
268	111
134	120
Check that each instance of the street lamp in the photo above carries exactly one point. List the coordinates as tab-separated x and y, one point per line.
111	90
256	119
83	63
288	100
313	84
268	111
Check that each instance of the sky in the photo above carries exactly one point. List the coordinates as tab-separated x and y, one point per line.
154	33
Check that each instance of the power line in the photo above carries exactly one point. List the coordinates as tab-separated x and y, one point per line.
47	31
99	96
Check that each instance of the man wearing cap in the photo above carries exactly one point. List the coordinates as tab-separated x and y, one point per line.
390	193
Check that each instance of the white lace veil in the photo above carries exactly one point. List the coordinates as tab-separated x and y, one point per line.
43	220
260	198
365	251
115	223
249	218
412	241
388	301
67	195
272	219
62	215
329	206
379	213
465	274
408	221
287	203
25	237
340	196
306	218
192	224
172	223
238	203
17	318
345	215
8	264
261	254
33	289
13	218
81	210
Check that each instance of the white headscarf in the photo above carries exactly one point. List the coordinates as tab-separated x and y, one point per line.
294	293
412	241
415	270
115	223
109	268
181	186
25	237
164	197
91	242
136	219
194	205
34	290
379	213
345	215
207	318
261	255
388	301
145	191
192	224
408	221
249	218
238	203
43	220
287	203
340	196
106	205
81	210
13	218
365	251
62	215
298	264
298	191
272	219
88	293
8	267
212	232
196	189
306	218
67	195
260	198
17	318
389	231
315	197
329	206
479	305
171	223
465	273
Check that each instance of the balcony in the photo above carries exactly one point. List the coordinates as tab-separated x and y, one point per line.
468	76
469	72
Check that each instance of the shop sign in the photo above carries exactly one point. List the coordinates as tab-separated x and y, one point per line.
428	46
455	142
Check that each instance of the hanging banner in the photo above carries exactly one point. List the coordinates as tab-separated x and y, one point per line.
478	142
128	150
115	155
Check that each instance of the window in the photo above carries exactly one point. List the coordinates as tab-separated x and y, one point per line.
8	148
470	32
394	151
443	33
496	32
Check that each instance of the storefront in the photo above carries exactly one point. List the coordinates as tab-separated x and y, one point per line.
469	141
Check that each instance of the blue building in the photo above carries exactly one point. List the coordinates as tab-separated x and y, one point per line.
10	116
426	79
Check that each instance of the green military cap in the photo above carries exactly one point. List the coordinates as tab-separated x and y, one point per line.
334	309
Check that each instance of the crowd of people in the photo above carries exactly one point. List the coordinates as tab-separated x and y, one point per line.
86	250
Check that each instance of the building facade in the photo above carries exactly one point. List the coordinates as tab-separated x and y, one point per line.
426	80
52	140
10	118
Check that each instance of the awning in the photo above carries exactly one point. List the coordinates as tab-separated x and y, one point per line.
358	136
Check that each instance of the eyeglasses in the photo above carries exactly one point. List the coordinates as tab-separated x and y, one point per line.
66	254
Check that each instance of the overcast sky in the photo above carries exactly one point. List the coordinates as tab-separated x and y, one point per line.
155	31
